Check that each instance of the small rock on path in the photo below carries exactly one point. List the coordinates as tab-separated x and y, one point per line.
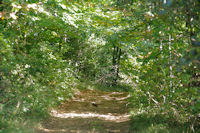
90	111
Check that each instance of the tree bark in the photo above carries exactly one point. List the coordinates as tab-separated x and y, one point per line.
115	65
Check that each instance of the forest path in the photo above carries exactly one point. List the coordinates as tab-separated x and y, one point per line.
90	111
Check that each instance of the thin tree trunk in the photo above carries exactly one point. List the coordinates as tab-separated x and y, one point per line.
118	63
115	65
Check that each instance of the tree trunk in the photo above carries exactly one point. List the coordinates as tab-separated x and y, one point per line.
115	65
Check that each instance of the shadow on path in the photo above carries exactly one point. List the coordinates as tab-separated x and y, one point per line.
90	111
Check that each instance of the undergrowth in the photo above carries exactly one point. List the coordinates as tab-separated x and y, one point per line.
161	120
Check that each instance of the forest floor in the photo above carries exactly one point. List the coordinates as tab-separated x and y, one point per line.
90	111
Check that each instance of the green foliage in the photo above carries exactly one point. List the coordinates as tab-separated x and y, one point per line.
46	46
160	123
168	77
34	76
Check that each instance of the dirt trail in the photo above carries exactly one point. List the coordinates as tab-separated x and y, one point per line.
90	111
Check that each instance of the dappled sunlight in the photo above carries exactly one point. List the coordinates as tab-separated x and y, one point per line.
90	111
118	94
108	117
99	66
122	98
111	97
93	130
50	130
79	100
107	97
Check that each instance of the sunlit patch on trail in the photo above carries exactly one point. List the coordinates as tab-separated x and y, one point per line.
110	97
80	100
90	111
50	130
107	117
122	98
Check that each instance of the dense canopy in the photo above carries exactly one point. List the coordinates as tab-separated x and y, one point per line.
149	48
